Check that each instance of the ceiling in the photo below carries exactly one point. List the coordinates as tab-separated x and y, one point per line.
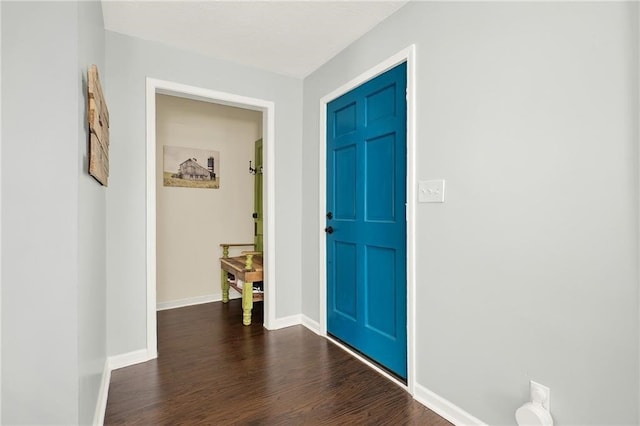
293	38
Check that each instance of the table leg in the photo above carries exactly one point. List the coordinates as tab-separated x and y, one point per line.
225	286
247	302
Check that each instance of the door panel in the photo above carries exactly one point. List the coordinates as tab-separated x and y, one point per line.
380	179
380	293
381	103
346	180
366	194
345	120
345	278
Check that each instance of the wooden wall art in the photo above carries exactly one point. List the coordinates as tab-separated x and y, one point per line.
98	116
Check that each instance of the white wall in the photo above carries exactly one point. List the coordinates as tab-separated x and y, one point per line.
191	223
53	312
129	62
529	270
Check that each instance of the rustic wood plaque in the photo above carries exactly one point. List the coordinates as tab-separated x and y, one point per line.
98	116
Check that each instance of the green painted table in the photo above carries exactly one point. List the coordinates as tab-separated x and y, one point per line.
248	269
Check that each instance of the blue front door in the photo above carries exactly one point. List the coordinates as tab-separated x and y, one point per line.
366	219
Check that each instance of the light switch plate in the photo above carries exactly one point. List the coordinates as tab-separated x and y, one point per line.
431	191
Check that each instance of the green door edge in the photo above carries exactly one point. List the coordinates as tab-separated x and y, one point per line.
257	198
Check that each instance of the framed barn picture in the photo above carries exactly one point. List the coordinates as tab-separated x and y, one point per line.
191	167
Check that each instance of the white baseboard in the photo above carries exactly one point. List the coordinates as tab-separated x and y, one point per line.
103	394
190	301
310	324
110	364
285	322
444	408
130	358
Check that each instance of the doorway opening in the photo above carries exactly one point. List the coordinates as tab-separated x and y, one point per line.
205	195
266	108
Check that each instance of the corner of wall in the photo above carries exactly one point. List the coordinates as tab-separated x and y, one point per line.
103	395
310	324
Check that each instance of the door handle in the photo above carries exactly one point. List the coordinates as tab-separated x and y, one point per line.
329	229
329	215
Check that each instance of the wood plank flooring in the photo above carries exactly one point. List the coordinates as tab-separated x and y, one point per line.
212	370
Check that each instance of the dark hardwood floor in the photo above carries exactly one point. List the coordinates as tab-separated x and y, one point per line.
213	370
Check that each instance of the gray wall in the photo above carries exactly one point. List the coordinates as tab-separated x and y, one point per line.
129	62
92	212
530	268
53	284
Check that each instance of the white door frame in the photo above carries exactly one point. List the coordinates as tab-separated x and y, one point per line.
406	55
267	108
0	214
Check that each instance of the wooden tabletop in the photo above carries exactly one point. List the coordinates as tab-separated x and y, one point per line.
236	266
